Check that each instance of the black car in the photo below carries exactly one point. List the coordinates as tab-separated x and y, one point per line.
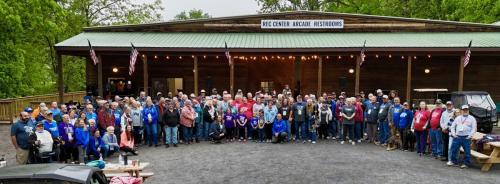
51	173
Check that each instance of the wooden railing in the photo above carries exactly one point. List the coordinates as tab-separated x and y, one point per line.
11	107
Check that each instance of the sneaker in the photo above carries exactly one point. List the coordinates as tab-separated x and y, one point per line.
449	164
314	142
353	143
309	140
463	166
175	145
239	140
249	138
334	138
303	142
166	146
341	142
350	141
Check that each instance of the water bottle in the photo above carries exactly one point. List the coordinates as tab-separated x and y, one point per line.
100	157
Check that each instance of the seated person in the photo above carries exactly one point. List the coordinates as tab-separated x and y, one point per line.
110	142
42	140
279	129
127	140
216	132
94	146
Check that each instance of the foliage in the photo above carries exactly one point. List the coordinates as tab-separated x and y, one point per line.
192	14
481	11
30	29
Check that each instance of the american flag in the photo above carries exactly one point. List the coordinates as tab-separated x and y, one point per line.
467	55
93	56
228	55
133	58
362	54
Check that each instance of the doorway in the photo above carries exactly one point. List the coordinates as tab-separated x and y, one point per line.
175	85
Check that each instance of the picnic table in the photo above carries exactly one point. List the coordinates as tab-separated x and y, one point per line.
118	169
488	160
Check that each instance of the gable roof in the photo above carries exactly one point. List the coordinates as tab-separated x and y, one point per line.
255	19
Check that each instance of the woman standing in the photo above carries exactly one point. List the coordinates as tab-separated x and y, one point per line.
419	126
137	123
187	121
324	116
358	121
269	115
82	140
150	119
284	110
348	112
209	115
171	119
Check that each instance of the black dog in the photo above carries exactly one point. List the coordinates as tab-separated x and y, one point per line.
410	138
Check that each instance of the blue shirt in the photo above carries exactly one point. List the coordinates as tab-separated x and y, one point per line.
52	128
396	111
405	119
22	130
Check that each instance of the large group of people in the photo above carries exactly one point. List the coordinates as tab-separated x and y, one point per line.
100	127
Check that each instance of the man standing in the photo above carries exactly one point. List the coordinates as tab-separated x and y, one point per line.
435	131
446	120
382	119
19	134
462	129
298	115
371	118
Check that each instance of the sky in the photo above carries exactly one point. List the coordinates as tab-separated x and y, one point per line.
215	8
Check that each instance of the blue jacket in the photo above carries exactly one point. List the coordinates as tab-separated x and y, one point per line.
82	137
150	110
92	115
270	114
405	119
279	126
333	108
52	128
92	147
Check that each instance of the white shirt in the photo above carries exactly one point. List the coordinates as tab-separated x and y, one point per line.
46	141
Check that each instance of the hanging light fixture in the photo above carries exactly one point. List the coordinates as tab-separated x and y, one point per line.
115	70
427	71
351	70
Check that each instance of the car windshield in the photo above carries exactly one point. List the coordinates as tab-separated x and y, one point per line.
481	101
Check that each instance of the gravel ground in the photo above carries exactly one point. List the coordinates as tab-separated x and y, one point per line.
325	162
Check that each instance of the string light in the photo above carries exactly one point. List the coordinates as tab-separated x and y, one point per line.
327	57
351	70
402	57
192	56
216	57
156	57
428	56
376	55
352	56
427	70
390	56
180	57
340	57
168	57
414	57
204	56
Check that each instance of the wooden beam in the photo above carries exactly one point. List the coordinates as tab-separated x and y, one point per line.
100	88
461	74
297	74
408	80
231	78
195	71
60	81
320	75
145	73
356	81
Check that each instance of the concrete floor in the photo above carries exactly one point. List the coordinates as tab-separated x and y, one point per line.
325	162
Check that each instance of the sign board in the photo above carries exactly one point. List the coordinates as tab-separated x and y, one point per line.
302	24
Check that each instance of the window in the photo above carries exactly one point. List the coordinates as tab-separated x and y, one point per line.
267	86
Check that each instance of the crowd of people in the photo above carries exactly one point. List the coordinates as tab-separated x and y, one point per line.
100	127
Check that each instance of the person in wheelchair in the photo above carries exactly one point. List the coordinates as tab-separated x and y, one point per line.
42	145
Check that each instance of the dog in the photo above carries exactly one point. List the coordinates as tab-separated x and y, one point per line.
410	138
394	141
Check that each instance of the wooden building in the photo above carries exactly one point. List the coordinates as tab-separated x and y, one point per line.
311	51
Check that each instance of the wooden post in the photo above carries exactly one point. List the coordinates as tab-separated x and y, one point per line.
231	78
60	81
297	75
408	80
461	74
195	71
145	74
356	81
100	87
320	73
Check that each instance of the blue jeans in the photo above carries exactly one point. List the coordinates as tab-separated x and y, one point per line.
358	130
289	129
171	133
308	125
384	132
206	129
348	129
199	130
332	129
262	134
421	137
301	128
455	147
436	142
188	133
106	150
314	135
152	133
250	131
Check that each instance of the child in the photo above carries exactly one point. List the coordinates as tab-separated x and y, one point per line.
242	124
230	124
313	129
82	140
261	125
252	127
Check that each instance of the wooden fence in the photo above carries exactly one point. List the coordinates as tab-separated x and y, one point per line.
10	108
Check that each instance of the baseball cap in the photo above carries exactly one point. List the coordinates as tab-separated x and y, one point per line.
385	96
379	91
28	109
465	107
449	103
202	91
438	101
159	93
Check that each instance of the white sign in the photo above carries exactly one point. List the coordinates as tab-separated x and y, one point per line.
302	24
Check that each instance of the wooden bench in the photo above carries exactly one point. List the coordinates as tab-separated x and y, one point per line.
143	175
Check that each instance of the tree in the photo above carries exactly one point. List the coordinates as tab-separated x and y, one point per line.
192	14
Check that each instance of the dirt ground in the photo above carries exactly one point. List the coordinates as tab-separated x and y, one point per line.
325	162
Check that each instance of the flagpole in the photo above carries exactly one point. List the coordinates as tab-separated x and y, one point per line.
464	60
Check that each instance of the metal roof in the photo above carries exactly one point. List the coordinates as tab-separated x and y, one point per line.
244	41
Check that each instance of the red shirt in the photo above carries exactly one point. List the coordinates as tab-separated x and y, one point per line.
436	118
420	119
358	118
249	111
